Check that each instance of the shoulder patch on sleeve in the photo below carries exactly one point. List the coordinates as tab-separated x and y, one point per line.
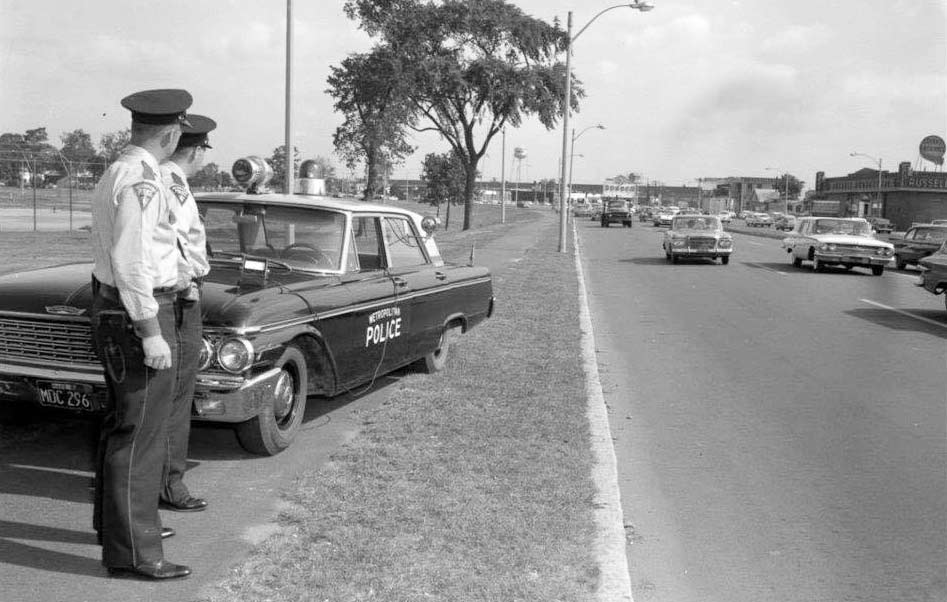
177	179
147	172
145	191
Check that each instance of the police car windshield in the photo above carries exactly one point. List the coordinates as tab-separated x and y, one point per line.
300	237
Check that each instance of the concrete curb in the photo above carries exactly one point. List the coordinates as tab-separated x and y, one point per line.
614	580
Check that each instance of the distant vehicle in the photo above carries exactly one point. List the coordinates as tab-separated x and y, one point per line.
725	217
666	215
933	278
882	225
785	222
939	222
697	235
758	220
844	241
581	208
918	242
616	212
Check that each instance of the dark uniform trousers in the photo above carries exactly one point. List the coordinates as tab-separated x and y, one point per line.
179	422
133	441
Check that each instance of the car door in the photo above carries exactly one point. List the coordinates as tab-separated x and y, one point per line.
419	283
361	332
902	246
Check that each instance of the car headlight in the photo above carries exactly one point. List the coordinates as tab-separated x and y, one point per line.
206	356
884	251
724	243
827	247
235	355
678	242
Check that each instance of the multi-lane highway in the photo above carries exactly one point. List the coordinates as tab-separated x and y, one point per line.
780	434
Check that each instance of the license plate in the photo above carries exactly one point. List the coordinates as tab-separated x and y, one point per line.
856	260
69	396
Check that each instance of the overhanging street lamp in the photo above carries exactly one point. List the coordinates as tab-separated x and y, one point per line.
567	108
878	161
575	137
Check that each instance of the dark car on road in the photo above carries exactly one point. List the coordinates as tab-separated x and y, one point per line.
918	242
307	295
933	276
616	212
880	225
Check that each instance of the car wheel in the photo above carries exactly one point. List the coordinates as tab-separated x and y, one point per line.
675	258
899	263
274	428
877	270
436	360
604	224
724	259
796	261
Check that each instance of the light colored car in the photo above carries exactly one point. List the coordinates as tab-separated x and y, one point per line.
843	241
696	235
725	216
665	216
759	220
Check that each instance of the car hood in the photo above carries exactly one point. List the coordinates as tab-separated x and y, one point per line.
936	261
225	302
847	239
694	232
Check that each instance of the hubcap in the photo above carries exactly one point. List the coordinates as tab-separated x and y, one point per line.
283	396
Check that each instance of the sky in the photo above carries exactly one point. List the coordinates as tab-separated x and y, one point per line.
692	89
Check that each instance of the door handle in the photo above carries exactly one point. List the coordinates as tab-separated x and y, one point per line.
399	281
440	275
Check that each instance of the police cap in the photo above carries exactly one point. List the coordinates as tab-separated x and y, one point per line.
195	134
159	107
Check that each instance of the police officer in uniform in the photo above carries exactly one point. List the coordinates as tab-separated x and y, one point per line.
184	163
136	280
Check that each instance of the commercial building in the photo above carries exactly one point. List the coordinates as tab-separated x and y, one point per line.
904	197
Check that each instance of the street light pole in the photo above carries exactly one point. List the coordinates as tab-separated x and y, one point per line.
567	107
878	161
572	150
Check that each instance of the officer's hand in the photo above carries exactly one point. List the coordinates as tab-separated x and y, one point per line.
157	352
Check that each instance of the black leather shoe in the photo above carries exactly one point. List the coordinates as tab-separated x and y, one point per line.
151	570
188	504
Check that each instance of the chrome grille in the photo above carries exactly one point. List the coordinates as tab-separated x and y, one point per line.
857	249
47	341
701	242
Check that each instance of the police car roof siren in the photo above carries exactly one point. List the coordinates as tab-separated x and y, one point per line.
253	173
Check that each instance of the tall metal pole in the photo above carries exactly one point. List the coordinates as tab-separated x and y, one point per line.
880	207
566	108
288	179
503	179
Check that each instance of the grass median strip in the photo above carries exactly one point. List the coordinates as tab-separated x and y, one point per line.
473	484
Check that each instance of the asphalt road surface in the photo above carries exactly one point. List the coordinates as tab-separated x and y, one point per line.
780	434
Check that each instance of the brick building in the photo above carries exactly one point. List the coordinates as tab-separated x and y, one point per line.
906	196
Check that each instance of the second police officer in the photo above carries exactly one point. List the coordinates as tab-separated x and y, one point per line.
185	162
136	316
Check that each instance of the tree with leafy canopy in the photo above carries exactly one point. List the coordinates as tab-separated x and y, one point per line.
443	178
207	176
79	153
368	92
112	143
278	162
469	68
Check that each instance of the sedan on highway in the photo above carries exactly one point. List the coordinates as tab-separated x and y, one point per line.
918	242
846	242
696	235
759	220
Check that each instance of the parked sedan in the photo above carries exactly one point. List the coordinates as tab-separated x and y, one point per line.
307	295
785	223
695	235
918	242
847	242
